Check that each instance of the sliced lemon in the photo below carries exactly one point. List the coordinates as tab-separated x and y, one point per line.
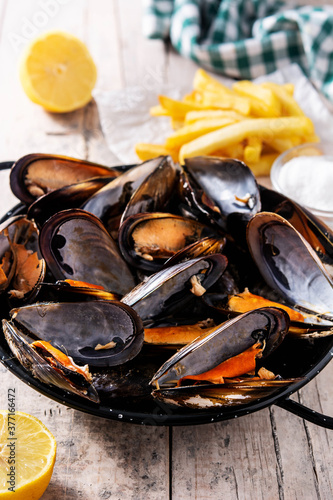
27	456
58	72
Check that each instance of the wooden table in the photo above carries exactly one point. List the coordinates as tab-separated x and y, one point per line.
270	454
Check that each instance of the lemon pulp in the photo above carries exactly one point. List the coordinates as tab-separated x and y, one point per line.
27	456
58	72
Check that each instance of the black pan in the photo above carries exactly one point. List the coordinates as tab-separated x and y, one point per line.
294	358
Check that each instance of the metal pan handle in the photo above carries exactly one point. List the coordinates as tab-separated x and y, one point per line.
306	413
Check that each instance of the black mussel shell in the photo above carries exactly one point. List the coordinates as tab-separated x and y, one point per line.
109	202
316	233
289	264
147	240
34	175
268	325
155	192
64	198
97	333
76	245
58	375
168	290
230	184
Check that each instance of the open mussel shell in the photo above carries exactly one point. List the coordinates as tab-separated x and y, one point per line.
46	368
267	325
34	175
97	333
109	202
22	266
206	396
155	192
289	264
76	245
229	183
72	196
316	233
168	290
147	240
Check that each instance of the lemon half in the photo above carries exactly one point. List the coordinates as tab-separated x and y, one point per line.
58	72
32	447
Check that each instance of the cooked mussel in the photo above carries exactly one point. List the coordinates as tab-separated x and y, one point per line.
97	333
50	365
231	186
289	265
34	175
155	192
147	240
109	202
72	196
315	231
76	245
266	326
217	359
22	268
170	289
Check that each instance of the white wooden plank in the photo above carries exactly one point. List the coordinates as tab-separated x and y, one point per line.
228	460
143	60
317	395
96	458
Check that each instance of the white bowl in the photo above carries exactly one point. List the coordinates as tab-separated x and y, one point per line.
279	174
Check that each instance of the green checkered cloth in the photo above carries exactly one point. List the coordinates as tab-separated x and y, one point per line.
247	38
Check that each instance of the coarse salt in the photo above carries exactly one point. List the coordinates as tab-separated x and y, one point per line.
309	181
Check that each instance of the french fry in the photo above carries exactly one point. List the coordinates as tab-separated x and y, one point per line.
237	132
264	102
189	132
178	109
289	87
280	144
251	122
263	165
176	124
158	111
203	81
289	104
146	151
193	116
234	151
252	150
226	101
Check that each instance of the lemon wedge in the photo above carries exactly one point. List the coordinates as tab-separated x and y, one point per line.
58	72
27	456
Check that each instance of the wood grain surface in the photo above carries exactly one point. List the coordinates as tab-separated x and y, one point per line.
268	455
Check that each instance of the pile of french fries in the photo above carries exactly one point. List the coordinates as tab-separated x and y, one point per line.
252	122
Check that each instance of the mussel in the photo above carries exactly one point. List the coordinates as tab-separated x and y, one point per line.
97	333
170	289
109	202
231	186
22	267
220	363
289	265
34	175
147	240
76	245
50	365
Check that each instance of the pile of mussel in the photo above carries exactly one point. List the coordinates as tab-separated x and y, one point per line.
172	282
